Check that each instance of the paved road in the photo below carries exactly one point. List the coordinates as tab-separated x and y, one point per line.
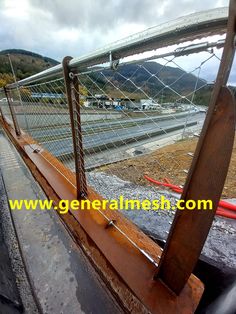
42	134
100	140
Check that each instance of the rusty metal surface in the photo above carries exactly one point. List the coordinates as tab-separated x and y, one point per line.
1	114
12	111
206	176
190	228
64	264
130	273
135	270
72	86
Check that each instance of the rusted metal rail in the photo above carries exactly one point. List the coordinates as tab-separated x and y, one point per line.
206	176
72	86
12	111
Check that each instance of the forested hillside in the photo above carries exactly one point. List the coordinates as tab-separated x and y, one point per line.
25	63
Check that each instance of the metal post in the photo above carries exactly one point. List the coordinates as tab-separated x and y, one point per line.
190	227
206	177
72	85
12	111
1	114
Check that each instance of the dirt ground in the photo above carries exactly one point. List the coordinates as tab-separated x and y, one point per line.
168	162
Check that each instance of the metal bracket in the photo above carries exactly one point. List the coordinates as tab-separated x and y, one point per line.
71	75
113	63
110	224
36	148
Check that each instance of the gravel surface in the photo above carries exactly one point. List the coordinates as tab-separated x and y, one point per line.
168	162
221	241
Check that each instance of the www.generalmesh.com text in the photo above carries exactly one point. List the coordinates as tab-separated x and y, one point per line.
121	203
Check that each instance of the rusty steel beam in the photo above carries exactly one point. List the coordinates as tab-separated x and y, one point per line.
72	93
1	114
12	111
206	177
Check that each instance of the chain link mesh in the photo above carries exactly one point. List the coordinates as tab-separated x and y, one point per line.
145	105
128	114
131	114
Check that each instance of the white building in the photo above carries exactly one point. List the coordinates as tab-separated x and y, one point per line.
149	104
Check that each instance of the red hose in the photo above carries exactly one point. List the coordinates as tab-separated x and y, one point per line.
177	190
225	213
169	185
227	205
223	210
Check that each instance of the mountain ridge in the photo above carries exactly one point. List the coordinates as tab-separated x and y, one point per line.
151	76
25	63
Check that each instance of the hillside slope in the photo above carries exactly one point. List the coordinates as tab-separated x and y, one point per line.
151	77
25	63
154	76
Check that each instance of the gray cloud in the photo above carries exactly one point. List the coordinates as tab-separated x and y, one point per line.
56	28
103	14
89	12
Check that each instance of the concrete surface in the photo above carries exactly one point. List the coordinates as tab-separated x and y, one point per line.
61	277
10	301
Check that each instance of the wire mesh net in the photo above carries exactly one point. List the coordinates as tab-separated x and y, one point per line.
42	112
140	120
147	115
140	108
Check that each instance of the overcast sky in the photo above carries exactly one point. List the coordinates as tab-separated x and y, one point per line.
56	28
